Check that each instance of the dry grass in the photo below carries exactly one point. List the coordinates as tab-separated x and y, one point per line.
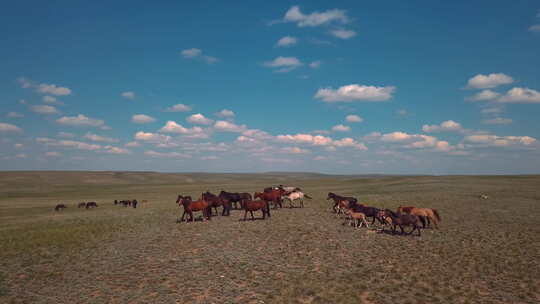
487	251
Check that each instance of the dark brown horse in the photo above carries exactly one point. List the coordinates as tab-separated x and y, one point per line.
426	214
81	205
251	206
91	205
60	207
134	203
338	198
271	196
368	211
191	206
231	198
403	219
215	201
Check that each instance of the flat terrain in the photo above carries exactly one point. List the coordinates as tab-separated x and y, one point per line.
486	251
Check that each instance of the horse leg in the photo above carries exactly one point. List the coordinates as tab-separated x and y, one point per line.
435	223
268	208
183	214
302	203
245	215
402	230
365	222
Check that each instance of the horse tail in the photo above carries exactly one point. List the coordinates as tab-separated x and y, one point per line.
307	196
436	214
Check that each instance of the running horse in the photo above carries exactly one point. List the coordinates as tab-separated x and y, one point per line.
431	215
338	199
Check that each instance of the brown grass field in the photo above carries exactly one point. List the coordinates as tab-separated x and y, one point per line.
486	250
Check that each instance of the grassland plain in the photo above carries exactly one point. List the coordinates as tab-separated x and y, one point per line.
486	251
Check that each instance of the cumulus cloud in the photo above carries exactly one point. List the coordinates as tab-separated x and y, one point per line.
484	95
226	126
52	154
142	119
116	150
98	138
132	144
412	141
14	115
500	141
283	64
341	128
44	109
520	95
195	53
225	113
355	92
153	153
44	88
343	34
497	121
179	108
151	137
68	144
489	81
81	121
51	100
286	41
294	150
6	127
535	28
316	18
199	119
319	140
315	64
173	127
128	95
446	126
353	118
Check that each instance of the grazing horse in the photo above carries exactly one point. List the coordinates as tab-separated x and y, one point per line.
91	205
356	218
59	207
191	206
368	211
231	197
431	215
251	206
82	205
338	198
215	201
271	196
403	219
296	195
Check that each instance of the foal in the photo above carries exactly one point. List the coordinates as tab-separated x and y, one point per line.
356	218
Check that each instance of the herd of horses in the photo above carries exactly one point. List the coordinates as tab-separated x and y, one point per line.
88	205
260	201
404	215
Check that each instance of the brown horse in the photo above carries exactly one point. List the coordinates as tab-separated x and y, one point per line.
191	206
356	218
271	196
60	207
91	205
338	198
82	205
403	219
216	201
431	215
254	206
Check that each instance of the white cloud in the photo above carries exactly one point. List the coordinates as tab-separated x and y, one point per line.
18	146
497	121
501	141
151	137
520	95
199	119
81	121
493	110
44	88
142	119
489	81
315	64
354	118
98	138
65	135
343	34
128	95
341	128
284	64
116	150
294	150
5	127
286	41
225	113
14	115
132	144
44	109
166	154
535	28
349	142
52	154
210	157
179	108
226	126
412	141
51	100
355	92
448	126
195	53
68	143
173	127
316	18
319	140
402	112
484	95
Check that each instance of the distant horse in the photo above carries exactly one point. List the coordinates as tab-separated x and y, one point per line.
403	219
81	205
271	196
191	206
134	203
91	205
251	206
296	195
356	218
231	197
431	215
60	207
215	201
338	198
368	211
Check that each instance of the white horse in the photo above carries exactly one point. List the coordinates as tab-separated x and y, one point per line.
289	189
296	195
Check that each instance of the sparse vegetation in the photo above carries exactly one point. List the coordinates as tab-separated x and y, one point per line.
486	251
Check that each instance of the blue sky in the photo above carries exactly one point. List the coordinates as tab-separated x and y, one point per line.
397	87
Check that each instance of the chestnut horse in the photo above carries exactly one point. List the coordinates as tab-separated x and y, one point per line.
271	196
191	206
251	206
338	198
431	215
216	201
